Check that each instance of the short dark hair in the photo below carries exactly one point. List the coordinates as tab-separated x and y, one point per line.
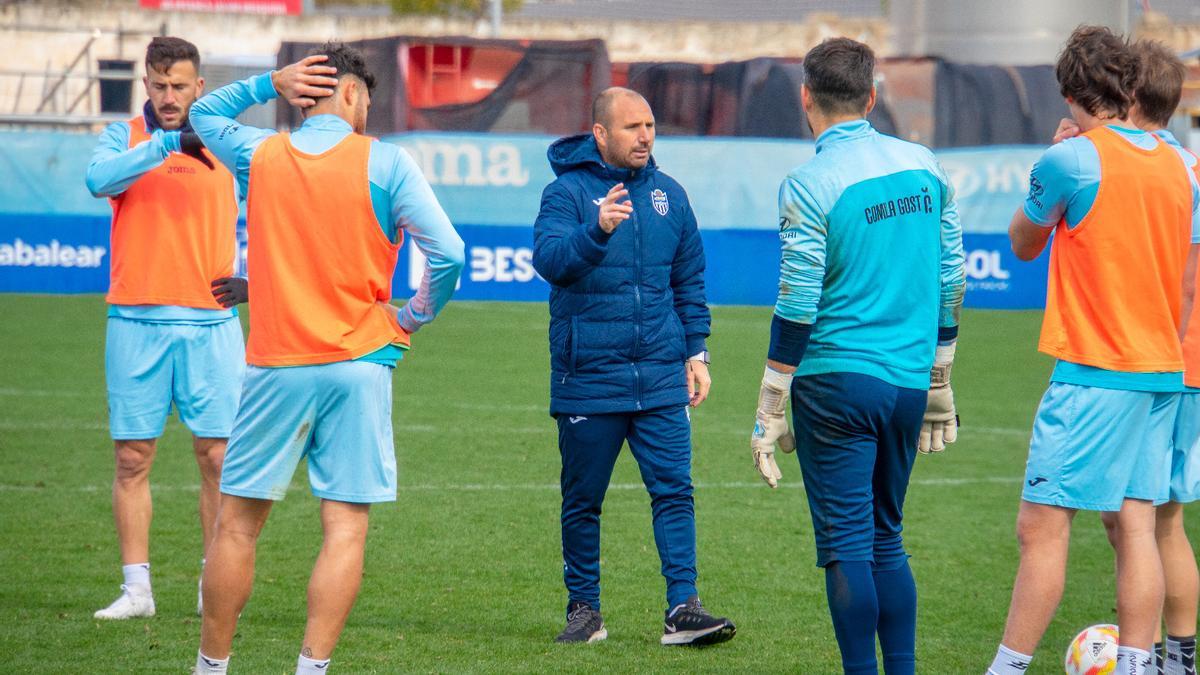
1098	71
348	61
839	74
1160	81
164	52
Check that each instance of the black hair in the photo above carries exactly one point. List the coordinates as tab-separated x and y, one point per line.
164	52
348	61
839	74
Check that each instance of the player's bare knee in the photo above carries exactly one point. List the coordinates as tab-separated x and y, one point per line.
210	453
134	459
1136	523
344	522
1035	530
239	535
241	530
1109	520
1168	521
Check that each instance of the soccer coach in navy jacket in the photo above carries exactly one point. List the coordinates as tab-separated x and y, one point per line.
618	242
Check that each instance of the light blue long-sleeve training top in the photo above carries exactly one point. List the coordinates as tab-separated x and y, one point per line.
872	255
400	195
113	168
1062	186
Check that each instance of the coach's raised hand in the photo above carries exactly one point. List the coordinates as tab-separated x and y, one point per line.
612	211
303	82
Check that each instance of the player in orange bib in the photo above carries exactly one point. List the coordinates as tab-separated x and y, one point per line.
1123	209
173	335
327	210
1159	89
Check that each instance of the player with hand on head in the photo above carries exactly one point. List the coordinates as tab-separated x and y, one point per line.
173	335
328	208
857	341
1124	208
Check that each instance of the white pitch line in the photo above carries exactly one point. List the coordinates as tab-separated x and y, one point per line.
548	429
501	407
48	393
527	487
51	425
9	425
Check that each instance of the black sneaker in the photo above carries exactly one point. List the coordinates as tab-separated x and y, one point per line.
584	624
691	624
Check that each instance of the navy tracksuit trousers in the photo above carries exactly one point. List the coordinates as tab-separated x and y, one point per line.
661	442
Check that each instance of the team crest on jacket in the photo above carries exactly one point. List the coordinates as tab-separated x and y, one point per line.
659	199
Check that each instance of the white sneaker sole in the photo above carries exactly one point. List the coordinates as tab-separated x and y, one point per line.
599	635
120	617
698	637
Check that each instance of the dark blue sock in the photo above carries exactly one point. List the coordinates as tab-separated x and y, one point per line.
897	593
850	589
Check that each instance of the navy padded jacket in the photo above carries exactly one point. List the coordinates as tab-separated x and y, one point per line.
626	309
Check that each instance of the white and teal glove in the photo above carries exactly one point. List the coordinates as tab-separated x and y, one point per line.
770	425
941	420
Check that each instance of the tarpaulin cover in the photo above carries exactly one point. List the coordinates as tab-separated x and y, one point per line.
549	90
995	105
760	97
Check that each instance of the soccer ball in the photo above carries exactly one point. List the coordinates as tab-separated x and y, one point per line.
1093	651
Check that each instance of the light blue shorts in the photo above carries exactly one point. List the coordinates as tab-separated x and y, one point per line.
338	416
1185	450
148	366
1092	448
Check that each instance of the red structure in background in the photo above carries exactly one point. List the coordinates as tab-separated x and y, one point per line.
468	84
547	87
446	74
240	6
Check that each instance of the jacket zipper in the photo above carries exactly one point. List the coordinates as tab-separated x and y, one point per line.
637	295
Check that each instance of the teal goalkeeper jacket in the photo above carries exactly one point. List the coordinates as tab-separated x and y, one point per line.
872	255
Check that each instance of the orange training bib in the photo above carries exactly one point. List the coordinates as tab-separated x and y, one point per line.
318	260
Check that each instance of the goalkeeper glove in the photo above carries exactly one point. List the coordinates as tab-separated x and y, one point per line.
191	145
770	425
941	421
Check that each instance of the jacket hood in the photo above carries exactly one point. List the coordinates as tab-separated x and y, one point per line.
580	152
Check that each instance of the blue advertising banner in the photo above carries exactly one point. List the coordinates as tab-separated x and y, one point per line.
54	235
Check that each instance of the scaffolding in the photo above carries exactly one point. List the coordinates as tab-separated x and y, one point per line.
84	94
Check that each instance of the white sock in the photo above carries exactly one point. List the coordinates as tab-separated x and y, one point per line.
1008	662
205	665
1133	661
137	574
307	666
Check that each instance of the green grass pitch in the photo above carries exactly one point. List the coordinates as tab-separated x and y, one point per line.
463	573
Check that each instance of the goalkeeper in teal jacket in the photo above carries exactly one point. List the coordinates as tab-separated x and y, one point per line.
870	286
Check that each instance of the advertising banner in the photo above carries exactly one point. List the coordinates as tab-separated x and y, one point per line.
54	235
240	6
